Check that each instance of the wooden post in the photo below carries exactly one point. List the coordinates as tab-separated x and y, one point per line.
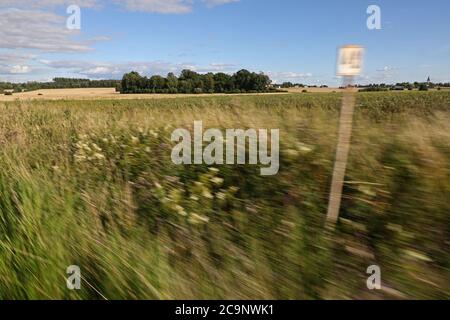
349	65
343	148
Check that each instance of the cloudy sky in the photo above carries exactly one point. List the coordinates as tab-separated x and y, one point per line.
291	40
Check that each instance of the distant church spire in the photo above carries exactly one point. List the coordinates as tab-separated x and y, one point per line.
429	80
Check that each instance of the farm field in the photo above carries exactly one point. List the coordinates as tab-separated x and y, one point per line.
91	183
339	90
111	94
315	90
95	94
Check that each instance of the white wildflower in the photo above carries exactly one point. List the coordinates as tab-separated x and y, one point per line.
198	219
217	181
99	156
134	140
96	147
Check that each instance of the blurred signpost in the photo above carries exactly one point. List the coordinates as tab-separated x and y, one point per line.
349	65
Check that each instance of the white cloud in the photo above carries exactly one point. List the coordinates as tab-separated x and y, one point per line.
168	6
214	3
39	30
216	67
289	76
12	63
29	24
46	3
36	27
20	69
158	6
10	56
384	73
153	6
111	70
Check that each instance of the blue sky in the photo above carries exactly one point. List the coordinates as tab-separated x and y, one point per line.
291	40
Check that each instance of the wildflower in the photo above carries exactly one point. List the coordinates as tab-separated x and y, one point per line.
134	140
86	147
80	158
221	195
304	148
207	194
96	147
99	156
198	219
233	190
180	210
292	152
367	191
417	255
217	181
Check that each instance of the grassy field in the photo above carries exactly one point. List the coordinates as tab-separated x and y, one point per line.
91	183
97	94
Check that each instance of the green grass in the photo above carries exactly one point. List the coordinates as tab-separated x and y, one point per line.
91	183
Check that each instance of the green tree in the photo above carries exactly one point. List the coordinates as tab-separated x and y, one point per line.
208	83
132	82
185	86
172	83
243	80
223	83
157	83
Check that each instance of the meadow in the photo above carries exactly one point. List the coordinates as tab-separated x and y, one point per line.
91	183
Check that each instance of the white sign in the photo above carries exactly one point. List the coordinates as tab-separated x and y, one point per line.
350	61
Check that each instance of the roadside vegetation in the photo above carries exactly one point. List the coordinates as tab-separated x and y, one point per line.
91	183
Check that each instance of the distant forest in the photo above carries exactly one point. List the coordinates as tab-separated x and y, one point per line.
192	82
59	83
422	86
187	82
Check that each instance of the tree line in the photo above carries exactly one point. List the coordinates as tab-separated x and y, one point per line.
59	83
190	81
421	86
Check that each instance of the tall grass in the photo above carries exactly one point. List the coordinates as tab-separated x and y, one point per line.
91	183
